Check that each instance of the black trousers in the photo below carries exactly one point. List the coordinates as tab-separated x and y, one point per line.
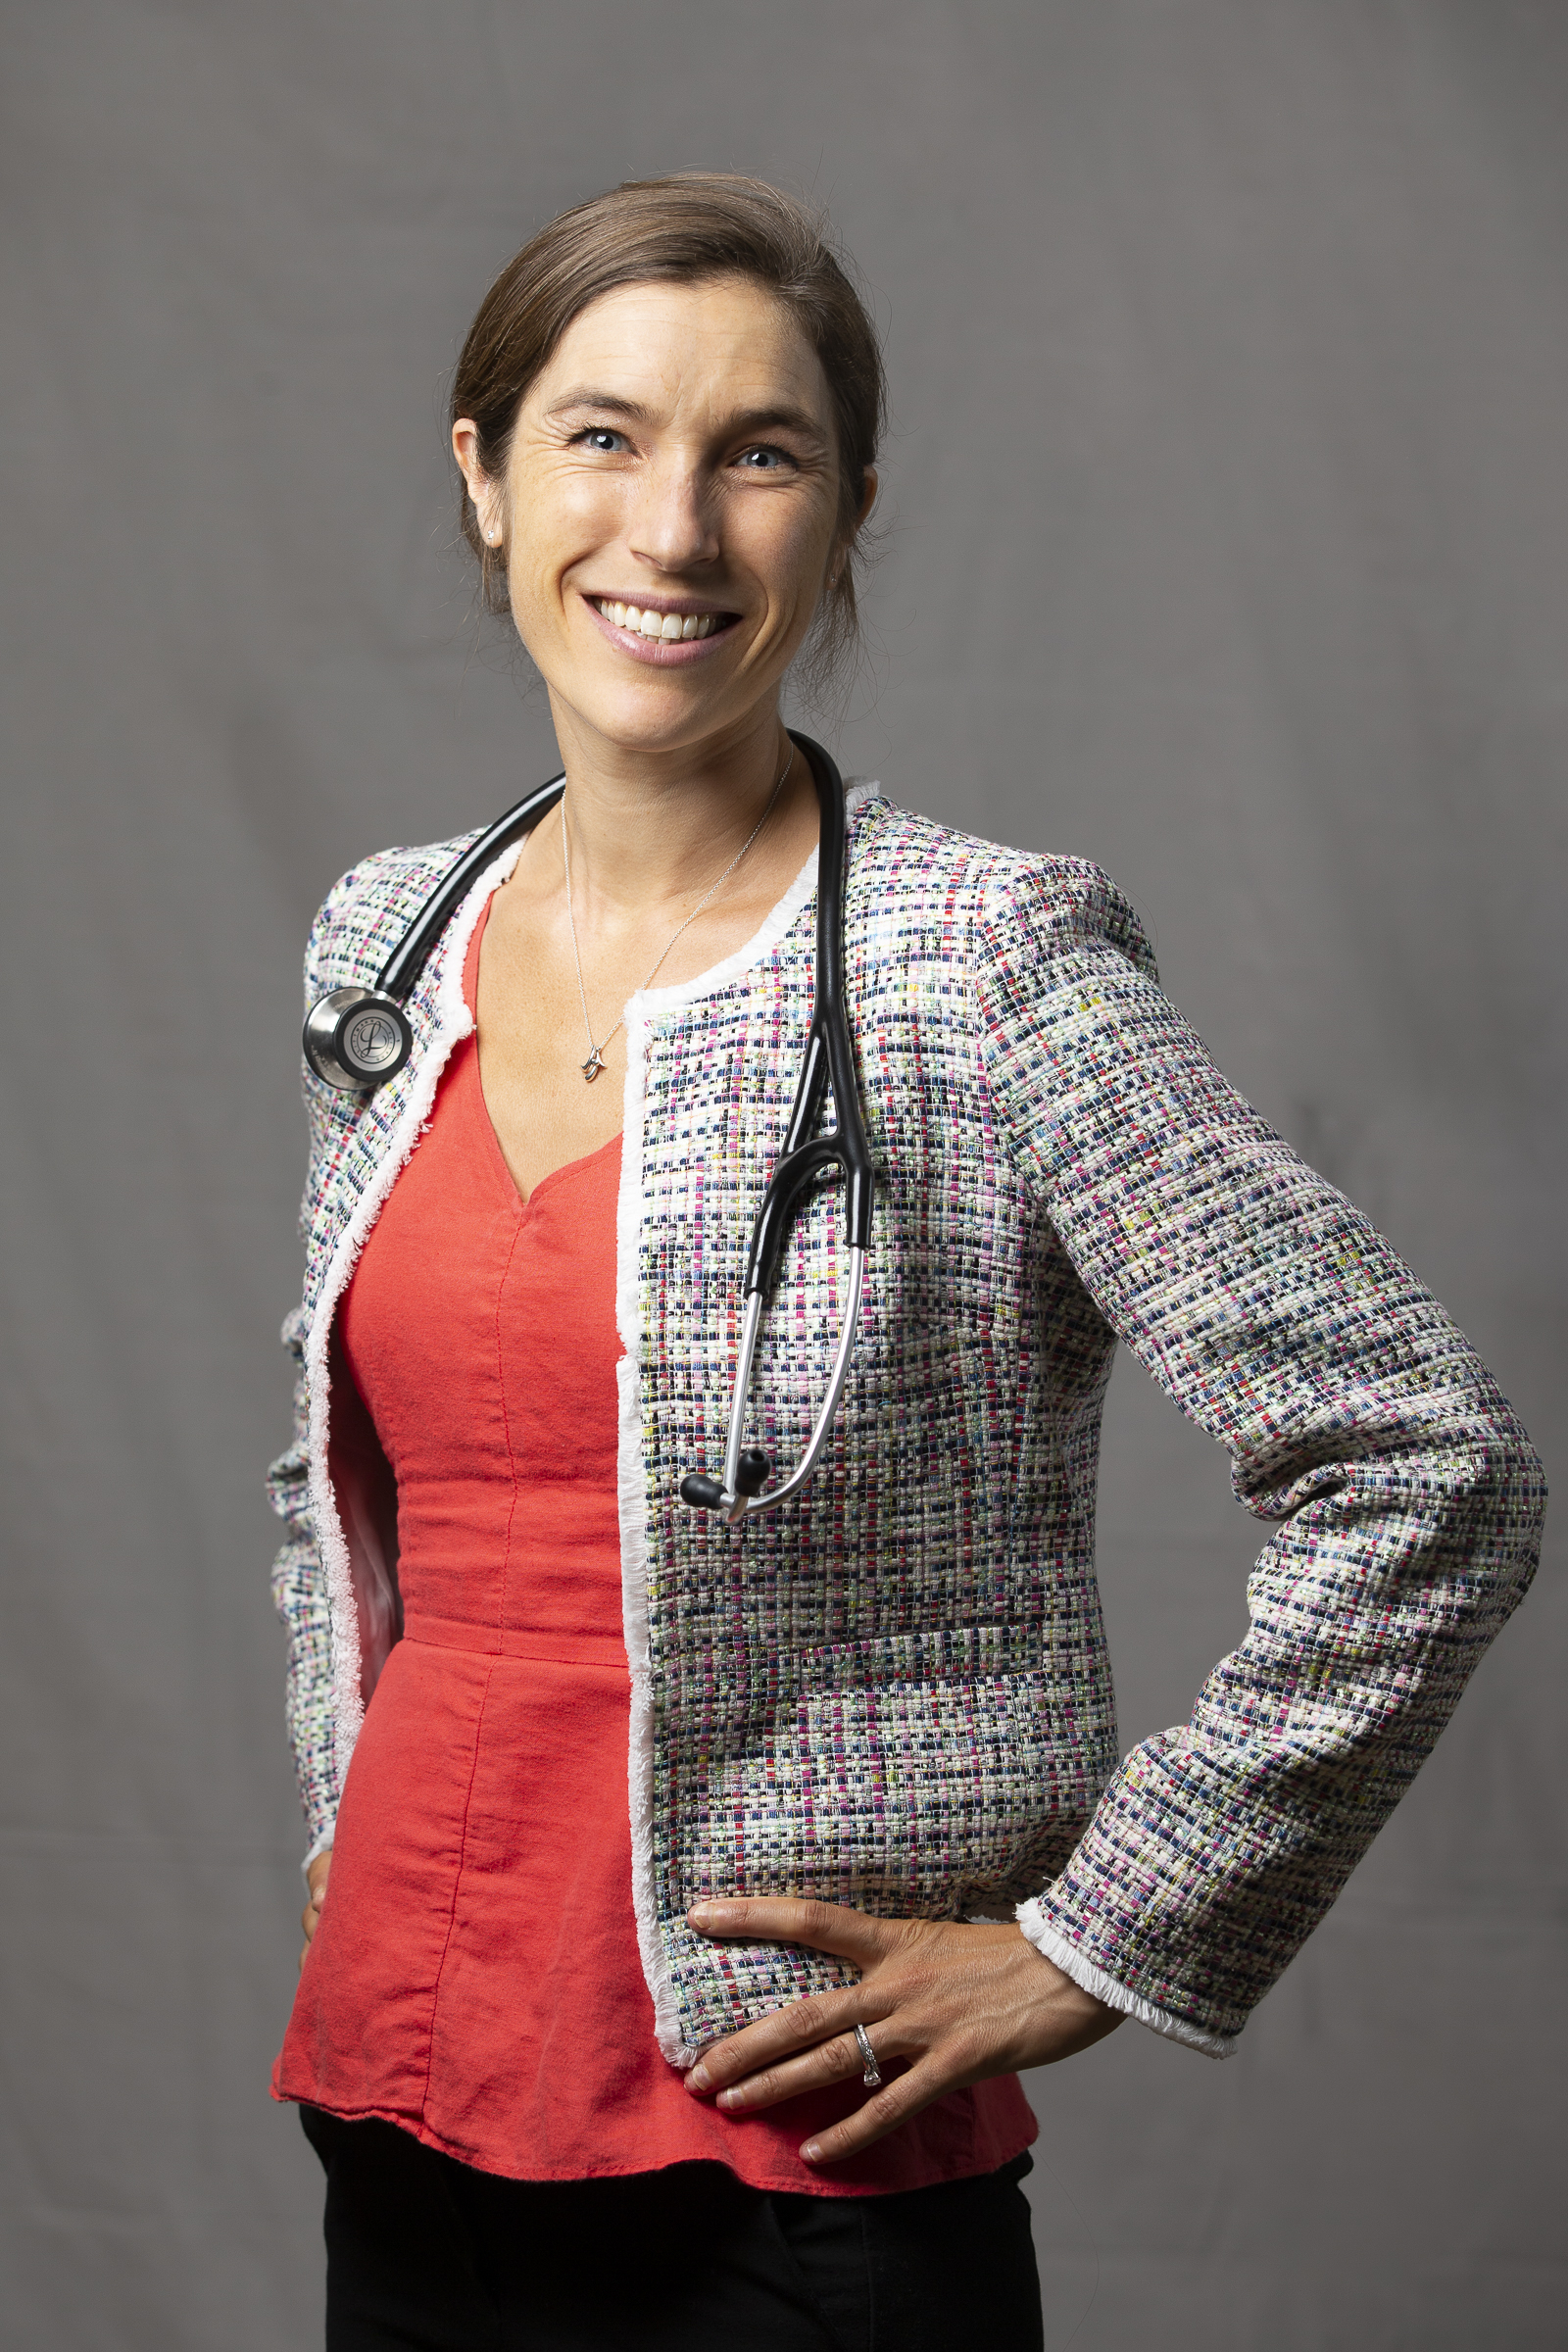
429	2255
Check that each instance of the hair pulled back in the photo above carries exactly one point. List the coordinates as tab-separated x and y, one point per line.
689	227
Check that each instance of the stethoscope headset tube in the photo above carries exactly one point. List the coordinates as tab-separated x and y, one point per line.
357	1038
801	1166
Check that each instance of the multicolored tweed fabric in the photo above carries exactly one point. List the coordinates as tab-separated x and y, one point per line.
895	1692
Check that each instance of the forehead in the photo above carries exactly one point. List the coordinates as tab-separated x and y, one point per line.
724	344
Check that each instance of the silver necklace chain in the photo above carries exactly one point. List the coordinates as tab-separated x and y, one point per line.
596	1053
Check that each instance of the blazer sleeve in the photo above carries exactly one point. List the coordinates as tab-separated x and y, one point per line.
299	1594
1404	1497
299	1579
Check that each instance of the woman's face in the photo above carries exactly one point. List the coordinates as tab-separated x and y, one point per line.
669	510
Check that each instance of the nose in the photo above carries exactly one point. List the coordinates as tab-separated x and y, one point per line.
673	528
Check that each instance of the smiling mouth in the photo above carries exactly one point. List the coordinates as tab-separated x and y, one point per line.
670	628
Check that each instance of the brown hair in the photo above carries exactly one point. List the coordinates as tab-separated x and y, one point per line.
688	228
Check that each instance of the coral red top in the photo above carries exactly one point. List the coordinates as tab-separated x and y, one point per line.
476	1975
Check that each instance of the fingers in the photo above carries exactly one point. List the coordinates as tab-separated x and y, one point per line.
836	2061
884	2111
902	2097
783	2034
316	1878
957	2003
782	1919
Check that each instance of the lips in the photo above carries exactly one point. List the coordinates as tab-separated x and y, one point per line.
668	635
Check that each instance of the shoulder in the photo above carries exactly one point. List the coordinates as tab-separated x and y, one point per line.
916	882
367	909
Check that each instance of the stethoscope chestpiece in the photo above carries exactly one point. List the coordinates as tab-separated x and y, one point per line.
356	1038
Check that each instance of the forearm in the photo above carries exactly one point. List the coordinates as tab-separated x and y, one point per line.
1218	1849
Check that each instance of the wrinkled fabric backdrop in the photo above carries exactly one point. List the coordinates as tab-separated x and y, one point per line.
1224	541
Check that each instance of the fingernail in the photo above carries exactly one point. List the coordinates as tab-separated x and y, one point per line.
811	2152
713	1917
698	2079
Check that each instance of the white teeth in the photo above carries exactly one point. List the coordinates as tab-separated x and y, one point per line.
672	629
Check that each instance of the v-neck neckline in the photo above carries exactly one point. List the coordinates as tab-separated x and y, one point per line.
498	1157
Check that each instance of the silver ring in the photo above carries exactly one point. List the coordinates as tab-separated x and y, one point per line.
872	2077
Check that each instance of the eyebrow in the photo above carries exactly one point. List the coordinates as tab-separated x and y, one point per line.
753	421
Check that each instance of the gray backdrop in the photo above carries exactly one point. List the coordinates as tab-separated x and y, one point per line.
1226	534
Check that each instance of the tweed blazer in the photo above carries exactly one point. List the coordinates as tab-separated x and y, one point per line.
894	1692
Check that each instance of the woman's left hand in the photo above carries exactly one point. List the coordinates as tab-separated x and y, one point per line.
959	2004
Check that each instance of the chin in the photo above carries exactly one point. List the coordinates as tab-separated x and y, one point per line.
654	717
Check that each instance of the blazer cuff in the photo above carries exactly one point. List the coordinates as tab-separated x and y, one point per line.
1053	1946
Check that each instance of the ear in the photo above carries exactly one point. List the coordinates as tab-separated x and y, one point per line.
868	497
841	555
489	498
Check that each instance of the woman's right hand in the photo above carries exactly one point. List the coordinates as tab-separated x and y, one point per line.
311	1916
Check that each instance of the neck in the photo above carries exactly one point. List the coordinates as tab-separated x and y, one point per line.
650	828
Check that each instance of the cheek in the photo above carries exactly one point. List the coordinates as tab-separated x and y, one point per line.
789	549
551	526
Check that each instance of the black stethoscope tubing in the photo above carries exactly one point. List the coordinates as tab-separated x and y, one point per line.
357	1038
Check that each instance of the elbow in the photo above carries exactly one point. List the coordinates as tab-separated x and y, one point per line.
1509	1471
1498	1501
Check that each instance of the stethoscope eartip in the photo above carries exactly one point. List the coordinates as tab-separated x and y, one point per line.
751	1475
706	1494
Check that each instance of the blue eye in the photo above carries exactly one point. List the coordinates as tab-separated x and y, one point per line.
604	439
765	459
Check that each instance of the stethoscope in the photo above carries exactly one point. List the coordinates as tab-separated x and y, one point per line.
357	1038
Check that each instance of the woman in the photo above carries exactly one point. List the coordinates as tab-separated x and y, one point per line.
735	2061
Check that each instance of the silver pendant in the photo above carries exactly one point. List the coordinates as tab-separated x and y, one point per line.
593	1065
